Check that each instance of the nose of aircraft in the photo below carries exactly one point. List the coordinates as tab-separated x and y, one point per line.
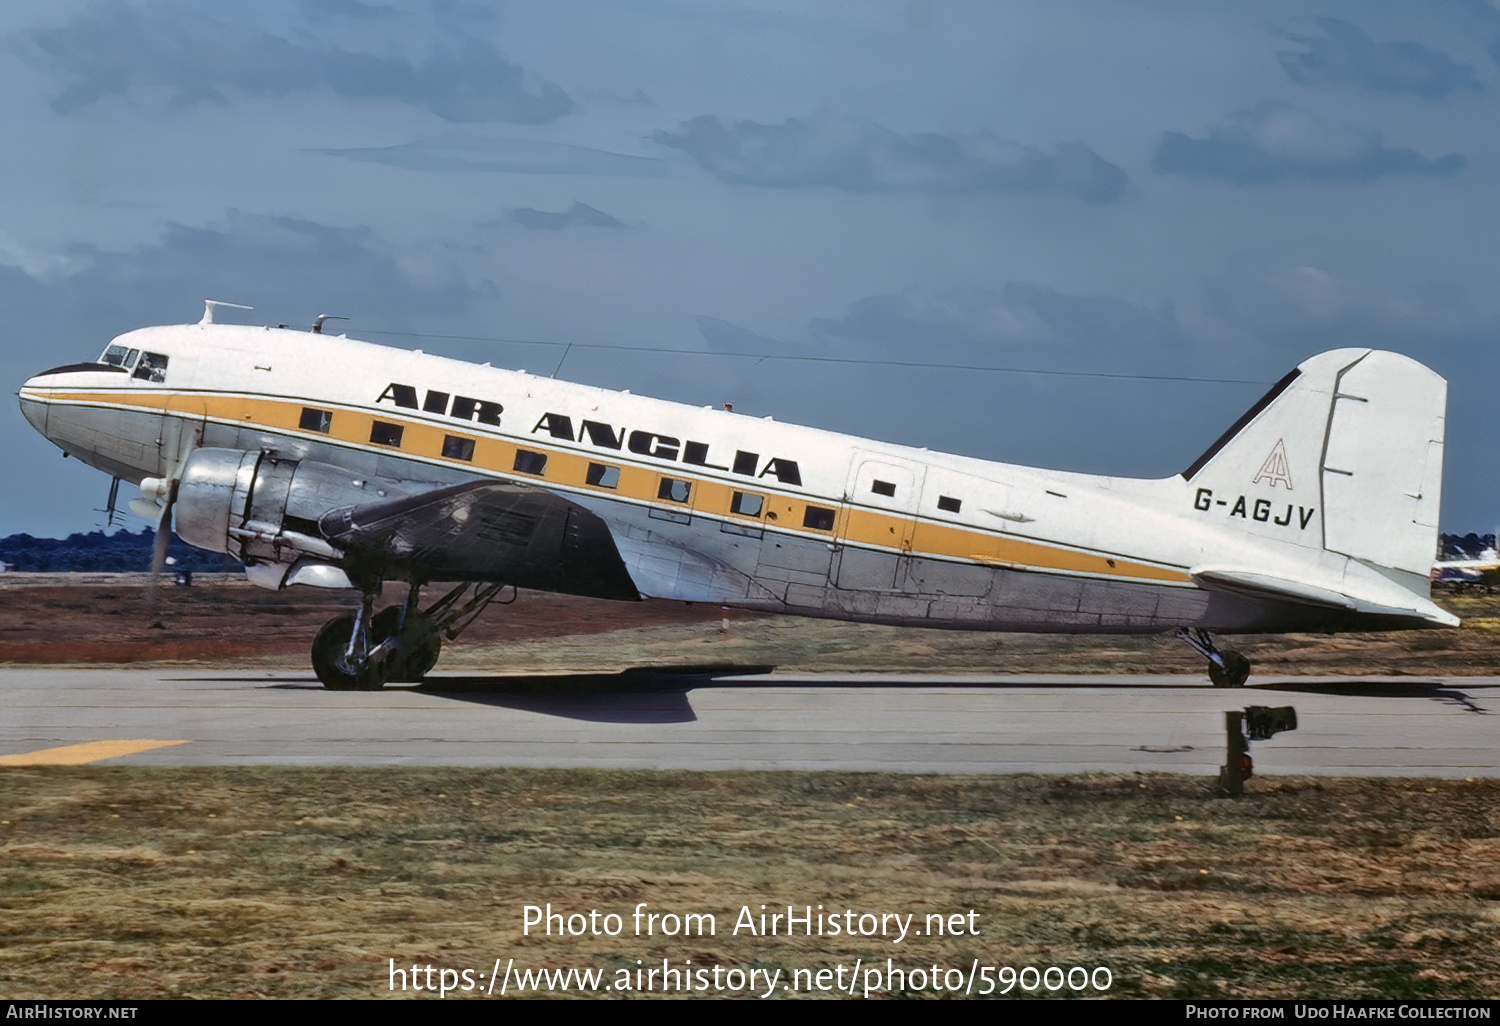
33	409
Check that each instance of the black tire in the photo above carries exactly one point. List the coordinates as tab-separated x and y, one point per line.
328	659
420	662
411	662
1235	672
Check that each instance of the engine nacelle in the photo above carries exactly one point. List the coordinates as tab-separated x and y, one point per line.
261	508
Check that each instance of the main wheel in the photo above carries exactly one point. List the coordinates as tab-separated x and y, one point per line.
1233	674
413	659
328	659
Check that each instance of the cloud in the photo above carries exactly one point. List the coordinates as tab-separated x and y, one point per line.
858	155
515	156
271	263
726	337
1000	322
1275	142
288	269
1305	308
325	10
1147	428
1346	56
201	60
579	215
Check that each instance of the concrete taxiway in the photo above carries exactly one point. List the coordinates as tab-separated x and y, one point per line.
1357	726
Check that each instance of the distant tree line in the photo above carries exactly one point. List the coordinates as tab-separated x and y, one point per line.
106	553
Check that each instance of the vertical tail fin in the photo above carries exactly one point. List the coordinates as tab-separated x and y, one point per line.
1344	454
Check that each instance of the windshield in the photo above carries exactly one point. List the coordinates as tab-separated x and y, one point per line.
119	356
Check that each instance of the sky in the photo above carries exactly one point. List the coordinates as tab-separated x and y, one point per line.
1161	190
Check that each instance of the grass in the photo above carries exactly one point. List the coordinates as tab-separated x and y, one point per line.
227	882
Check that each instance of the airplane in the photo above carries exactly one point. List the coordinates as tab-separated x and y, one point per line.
327	461
1474	569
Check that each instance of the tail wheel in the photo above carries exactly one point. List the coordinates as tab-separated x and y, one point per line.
1234	672
330	662
417	647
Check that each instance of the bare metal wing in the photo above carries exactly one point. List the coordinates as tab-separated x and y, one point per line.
485	531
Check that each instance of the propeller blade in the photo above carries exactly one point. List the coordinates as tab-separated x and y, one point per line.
159	559
145	509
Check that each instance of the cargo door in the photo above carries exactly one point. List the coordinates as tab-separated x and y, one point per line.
882	498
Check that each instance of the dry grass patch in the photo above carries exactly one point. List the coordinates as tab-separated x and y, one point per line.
227	882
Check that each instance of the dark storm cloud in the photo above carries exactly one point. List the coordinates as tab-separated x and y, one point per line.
1304	309
282	266
726	337
579	215
1276	143
513	156
1019	316
1346	56
458	14
201	60
860	156
323	10
937	398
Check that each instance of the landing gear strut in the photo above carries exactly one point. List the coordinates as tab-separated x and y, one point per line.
1226	667
362	651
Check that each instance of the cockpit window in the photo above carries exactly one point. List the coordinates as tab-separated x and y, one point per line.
119	356
153	367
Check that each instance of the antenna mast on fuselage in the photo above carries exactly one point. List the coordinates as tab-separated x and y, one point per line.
209	305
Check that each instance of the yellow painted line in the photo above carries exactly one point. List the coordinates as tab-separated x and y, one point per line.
78	755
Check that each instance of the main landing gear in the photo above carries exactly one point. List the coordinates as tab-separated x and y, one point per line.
363	650
1226	667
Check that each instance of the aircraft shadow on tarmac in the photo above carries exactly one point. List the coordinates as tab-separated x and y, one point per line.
659	694
1394	688
647	694
644	694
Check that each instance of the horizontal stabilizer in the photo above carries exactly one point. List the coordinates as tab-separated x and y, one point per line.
1374	594
1261	585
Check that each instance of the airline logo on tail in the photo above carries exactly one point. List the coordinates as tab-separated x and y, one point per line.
1275	470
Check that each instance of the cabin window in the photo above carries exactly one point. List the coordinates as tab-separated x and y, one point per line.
530	462
948	504
673	490
818	518
315	420
883	488
602	475
747	504
382	433
152	367
456	447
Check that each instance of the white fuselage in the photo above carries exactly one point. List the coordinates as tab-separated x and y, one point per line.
708	505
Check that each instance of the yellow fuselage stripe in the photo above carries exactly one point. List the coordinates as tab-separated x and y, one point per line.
568	468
